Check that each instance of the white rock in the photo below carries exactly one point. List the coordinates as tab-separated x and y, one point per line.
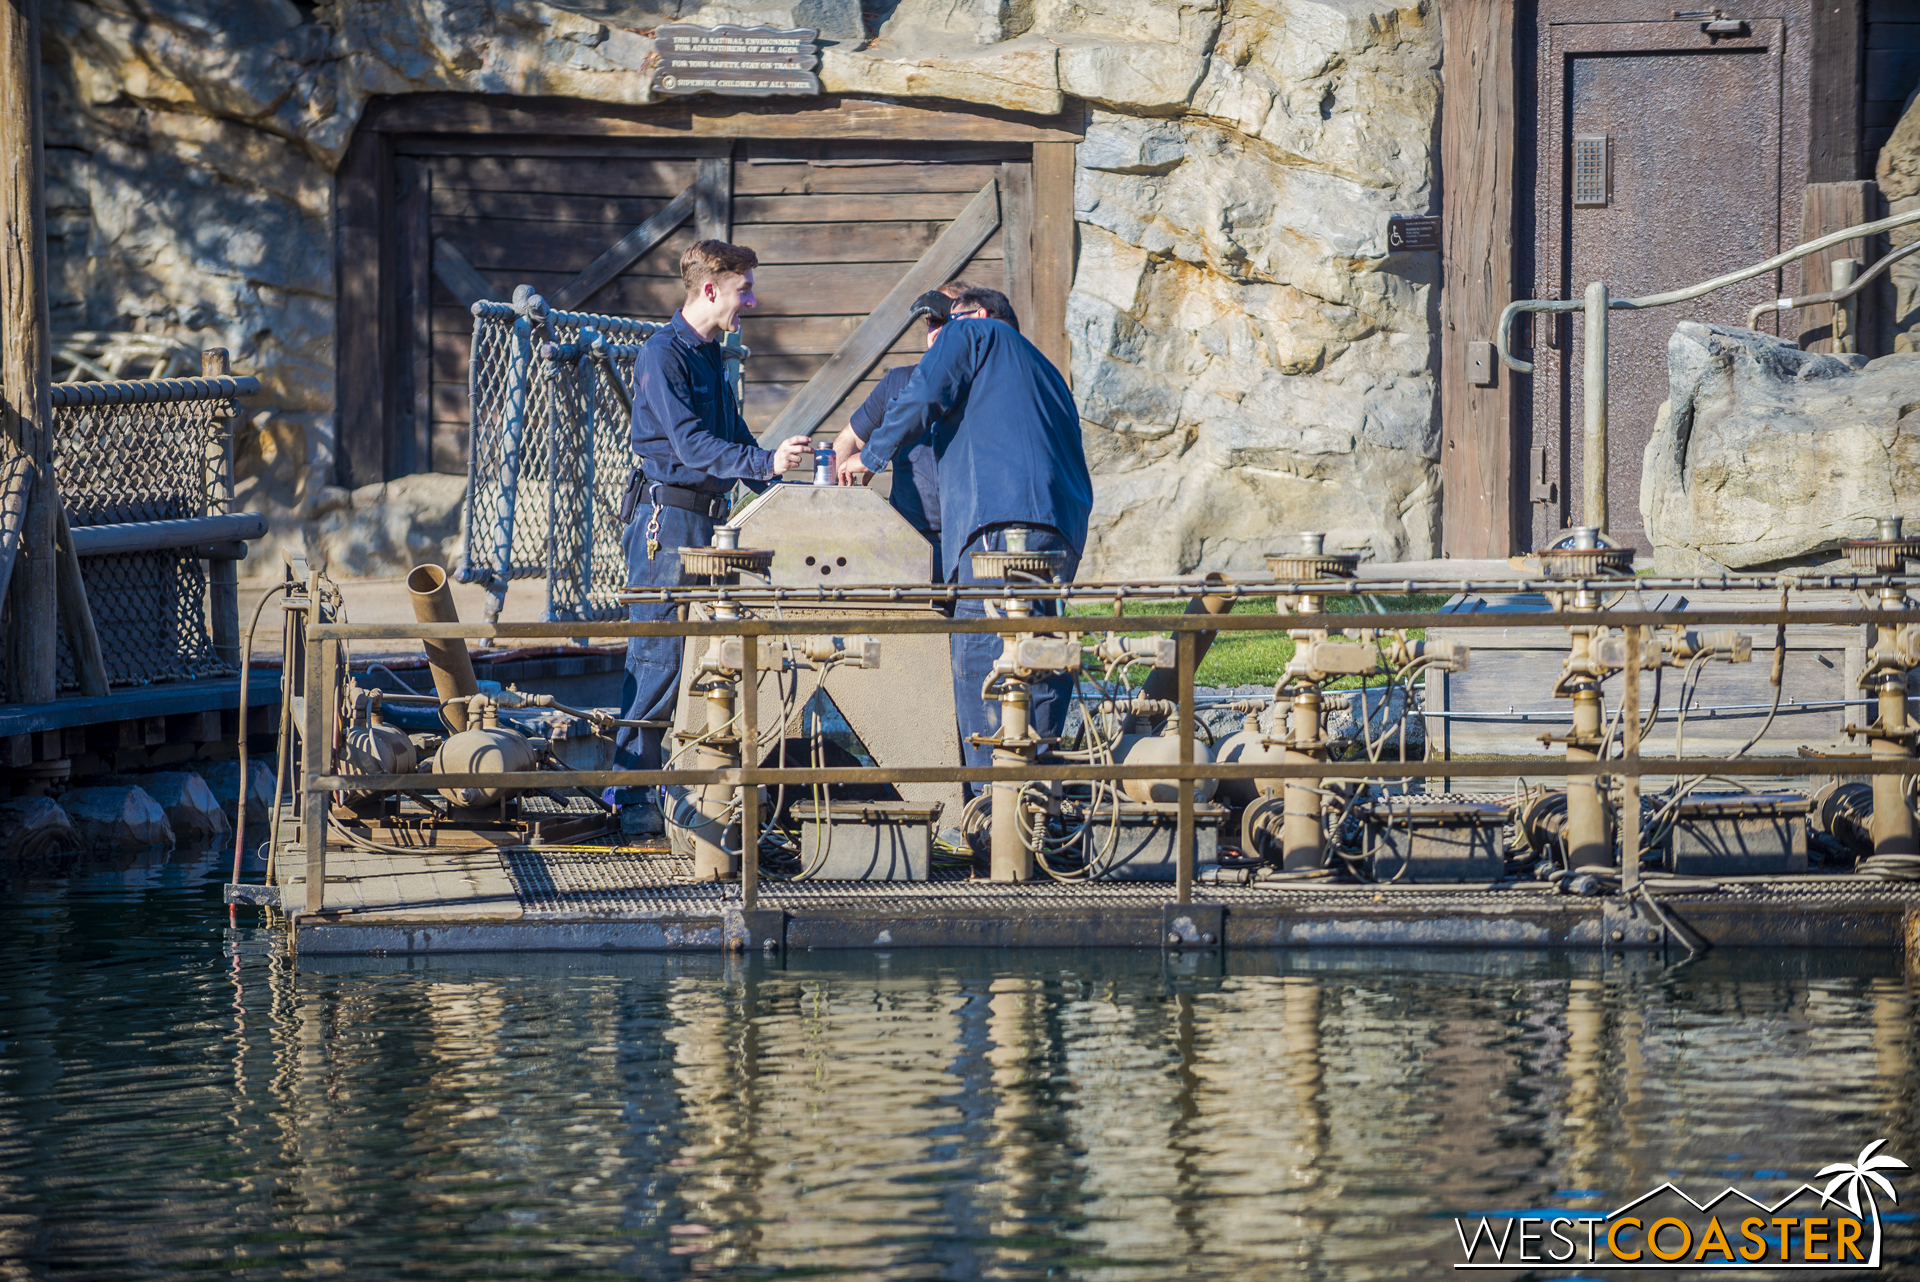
1019	74
35	827
1765	454
388	529
116	817
1126	73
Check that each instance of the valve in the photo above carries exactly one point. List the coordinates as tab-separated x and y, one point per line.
1023	658
1318	658
1115	651
1448	656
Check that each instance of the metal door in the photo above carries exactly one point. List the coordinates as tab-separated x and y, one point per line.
1660	166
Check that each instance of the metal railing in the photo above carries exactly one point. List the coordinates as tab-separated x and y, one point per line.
1598	302
324	642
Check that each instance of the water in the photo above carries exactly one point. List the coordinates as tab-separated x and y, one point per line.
178	1102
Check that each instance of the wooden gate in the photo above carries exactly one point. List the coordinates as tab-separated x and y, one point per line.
850	220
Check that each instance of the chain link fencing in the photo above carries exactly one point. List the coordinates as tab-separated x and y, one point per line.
134	452
548	453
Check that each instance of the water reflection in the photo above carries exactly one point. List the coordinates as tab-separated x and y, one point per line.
169	1106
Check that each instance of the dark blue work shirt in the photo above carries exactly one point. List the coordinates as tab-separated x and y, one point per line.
1005	431
687	427
916	477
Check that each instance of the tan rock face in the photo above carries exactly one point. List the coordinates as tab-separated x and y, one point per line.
1766	455
1248	359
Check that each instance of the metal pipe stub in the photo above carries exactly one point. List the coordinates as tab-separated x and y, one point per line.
1886	553
724	563
1312	561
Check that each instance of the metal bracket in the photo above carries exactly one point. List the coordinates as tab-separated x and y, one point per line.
762	930
259	896
1541	488
1192	926
1627	924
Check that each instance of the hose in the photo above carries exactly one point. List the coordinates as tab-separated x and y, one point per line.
240	805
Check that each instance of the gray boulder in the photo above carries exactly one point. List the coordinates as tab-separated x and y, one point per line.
224	778
1766	456
191	807
34	827
116	817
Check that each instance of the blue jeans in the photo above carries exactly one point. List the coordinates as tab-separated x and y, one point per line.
974	652
652	683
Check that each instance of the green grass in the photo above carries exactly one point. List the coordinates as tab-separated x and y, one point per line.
1256	658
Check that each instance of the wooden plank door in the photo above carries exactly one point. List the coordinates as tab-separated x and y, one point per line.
520	214
836	227
1660	164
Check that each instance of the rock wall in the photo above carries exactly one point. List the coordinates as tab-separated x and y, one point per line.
1248	359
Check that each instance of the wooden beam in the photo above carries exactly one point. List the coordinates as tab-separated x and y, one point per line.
26	350
362	316
714	191
885	323
1836	100
1483	494
619	256
465	283
828	116
1825	208
1054	250
1016	234
76	615
223	586
16	485
411	448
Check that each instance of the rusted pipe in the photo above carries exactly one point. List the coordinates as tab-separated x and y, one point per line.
452	668
1163	683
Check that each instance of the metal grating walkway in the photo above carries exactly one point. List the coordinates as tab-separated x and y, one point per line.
639	882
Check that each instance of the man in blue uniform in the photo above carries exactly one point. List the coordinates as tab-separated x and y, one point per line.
916	481
692	445
1007	437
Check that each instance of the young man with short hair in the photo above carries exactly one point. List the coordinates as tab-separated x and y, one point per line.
692	446
916	482
1007	434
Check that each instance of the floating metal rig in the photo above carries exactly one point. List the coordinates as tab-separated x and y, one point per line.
1297	811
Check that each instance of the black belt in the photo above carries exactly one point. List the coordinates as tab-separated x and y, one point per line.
714	506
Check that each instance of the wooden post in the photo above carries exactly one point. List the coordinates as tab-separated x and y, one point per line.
223	577
316	758
26	352
749	771
1053	252
83	638
1183	857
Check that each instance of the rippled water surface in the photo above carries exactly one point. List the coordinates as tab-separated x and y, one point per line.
178	1100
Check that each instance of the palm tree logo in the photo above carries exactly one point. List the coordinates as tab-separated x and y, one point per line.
1860	1177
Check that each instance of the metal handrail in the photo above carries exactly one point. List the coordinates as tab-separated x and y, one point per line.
1598	302
1690	292
323	641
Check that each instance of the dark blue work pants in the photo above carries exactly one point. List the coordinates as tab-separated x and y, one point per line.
974	653
652	682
